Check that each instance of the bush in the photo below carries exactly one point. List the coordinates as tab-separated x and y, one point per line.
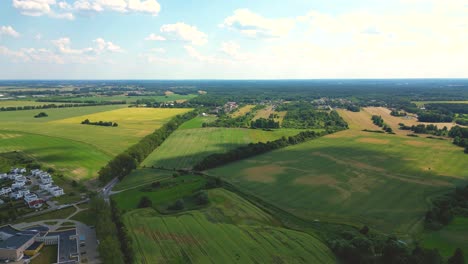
201	198
178	205
145	202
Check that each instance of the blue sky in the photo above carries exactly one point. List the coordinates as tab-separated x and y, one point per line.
175	39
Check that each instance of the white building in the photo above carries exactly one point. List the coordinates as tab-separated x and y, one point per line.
56	191
17	185
5	190
16	195
45	187
45	178
3	176
30	197
23	192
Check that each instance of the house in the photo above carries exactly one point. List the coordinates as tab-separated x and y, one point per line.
3	176
1	202
30	197
45	187
46	178
56	191
23	191
20	178
5	190
35	204
17	185
16	195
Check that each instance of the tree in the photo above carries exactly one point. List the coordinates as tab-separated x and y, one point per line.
457	257
145	202
201	198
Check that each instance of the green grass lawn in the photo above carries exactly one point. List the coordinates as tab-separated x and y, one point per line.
47	255
179	187
142	176
186	147
354	177
85	217
230	230
58	214
448	238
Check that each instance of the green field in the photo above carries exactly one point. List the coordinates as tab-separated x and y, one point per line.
161	197
16	103
230	230
422	103
448	238
186	147
128	99
60	140
354	177
141	177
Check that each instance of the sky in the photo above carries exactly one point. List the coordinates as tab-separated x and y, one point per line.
207	39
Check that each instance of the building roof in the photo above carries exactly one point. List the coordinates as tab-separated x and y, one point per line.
16	241
8	229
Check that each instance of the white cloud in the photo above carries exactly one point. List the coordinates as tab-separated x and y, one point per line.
39	8
8	31
232	49
185	32
146	6
103	46
255	25
155	37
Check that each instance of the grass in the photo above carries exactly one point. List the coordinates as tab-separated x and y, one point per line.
130	99
186	147
85	217
448	238
142	176
67	156
58	214
47	255
79	151
230	230
16	103
354	177
162	197
242	111
422	103
197	122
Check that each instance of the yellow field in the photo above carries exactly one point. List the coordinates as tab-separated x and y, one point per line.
393	121
242	111
10	103
142	120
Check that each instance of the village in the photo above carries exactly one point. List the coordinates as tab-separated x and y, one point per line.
16	186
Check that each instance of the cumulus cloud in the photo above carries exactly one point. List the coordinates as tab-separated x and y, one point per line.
254	25
155	37
184	32
8	31
232	49
103	46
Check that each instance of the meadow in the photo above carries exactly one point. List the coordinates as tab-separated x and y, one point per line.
142	176
60	140
186	147
242	111
130	99
354	177
230	230
16	103
448	238
422	103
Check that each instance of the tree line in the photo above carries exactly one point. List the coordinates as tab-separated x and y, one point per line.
378	121
264	123
127	161
459	134
100	123
444	208
302	116
41	114
50	106
254	149
87	102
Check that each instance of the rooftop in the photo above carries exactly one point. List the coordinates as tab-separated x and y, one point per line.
16	240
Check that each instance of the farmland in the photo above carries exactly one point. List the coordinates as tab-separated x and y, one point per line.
242	111
422	103
228	231
60	141
14	103
128	99
195	144
353	176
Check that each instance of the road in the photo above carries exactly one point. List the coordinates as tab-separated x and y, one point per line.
107	190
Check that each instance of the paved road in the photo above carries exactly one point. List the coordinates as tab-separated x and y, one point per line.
107	190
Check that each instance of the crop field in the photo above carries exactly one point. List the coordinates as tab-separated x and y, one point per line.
15	103
226	232
186	147
422	103
354	177
242	111
130	99
60	141
448	238
197	122
393	121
